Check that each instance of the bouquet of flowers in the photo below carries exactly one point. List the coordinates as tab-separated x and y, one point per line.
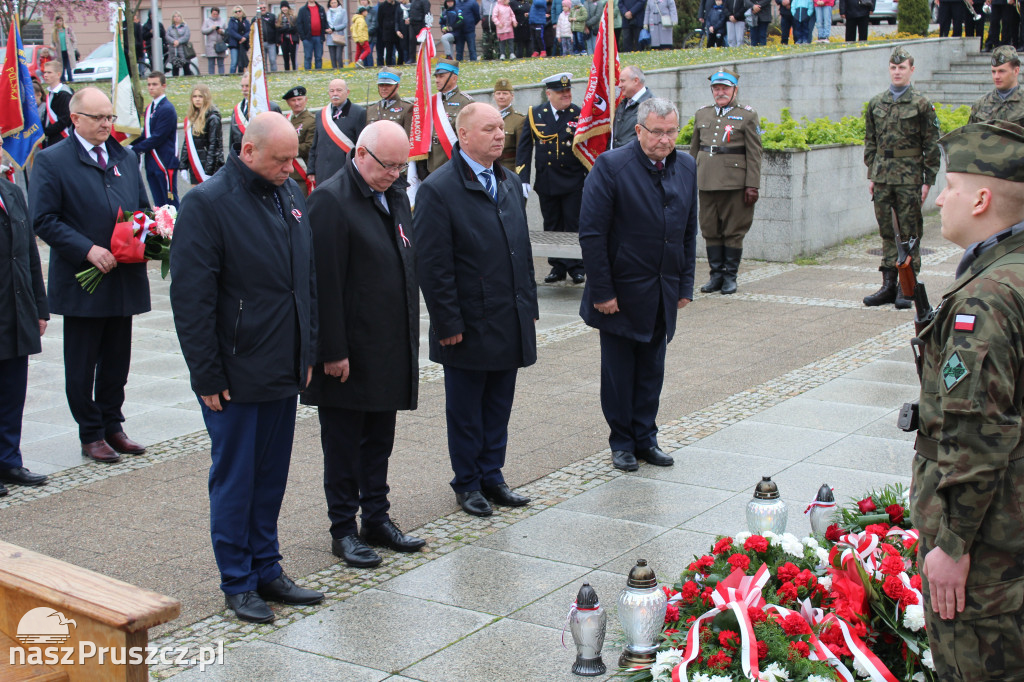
145	236
887	506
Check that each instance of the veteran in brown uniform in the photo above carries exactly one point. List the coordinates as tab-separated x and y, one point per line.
1005	102
503	97
446	81
305	126
390	107
726	144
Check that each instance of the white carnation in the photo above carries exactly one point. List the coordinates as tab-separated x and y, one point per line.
792	545
919	677
769	536
699	677
740	538
926	659
721	678
810	542
664	662
825	581
822	555
818	678
861	671
775	673
913	617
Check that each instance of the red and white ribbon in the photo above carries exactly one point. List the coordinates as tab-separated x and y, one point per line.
819	652
333	131
193	156
168	174
240	120
443	127
877	672
51	116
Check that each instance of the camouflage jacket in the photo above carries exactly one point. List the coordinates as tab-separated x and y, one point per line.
968	478
991	107
901	139
737	128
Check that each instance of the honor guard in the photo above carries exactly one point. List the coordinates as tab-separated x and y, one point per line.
390	107
1005	102
513	122
305	127
551	128
726	144
901	151
448	101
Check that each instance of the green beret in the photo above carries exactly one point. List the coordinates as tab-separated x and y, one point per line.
1004	54
995	149
898	56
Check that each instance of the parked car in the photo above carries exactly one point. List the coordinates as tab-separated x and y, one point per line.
884	10
37	55
98	66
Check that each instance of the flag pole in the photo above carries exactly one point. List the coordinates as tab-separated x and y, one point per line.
611	52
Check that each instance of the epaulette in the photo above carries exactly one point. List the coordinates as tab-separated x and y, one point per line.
706	106
748	107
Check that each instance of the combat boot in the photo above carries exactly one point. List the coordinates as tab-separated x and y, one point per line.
731	268
902	302
887	294
716	262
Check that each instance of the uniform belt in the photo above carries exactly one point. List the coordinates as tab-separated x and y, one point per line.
929	448
901	153
715	149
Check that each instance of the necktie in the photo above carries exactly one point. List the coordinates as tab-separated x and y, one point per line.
99	157
382	201
488	177
659	165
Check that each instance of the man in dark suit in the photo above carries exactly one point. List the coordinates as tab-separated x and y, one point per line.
640	213
560	174
633	12
246	317
57	123
338	125
78	186
368	361
632	85
158	143
23	317
476	273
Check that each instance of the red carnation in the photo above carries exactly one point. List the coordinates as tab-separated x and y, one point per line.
787	592
719	660
806	579
705	563
907	599
690	619
690	591
891	565
729	639
723	545
896	513
800	648
833	533
910	543
705	596
893	587
879	529
671	613
794	624
762	651
670	631
788	571
915	582
739	561
756	615
756	543
866	506
889	549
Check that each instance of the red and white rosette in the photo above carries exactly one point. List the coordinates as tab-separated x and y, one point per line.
737	593
862	546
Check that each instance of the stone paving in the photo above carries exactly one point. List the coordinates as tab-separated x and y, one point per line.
791	377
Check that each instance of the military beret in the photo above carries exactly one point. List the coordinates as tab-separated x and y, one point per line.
560	81
297	91
385	77
449	65
724	77
1005	54
995	149
899	55
502	85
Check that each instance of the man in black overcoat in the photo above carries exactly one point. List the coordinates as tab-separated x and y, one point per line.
78	186
367	365
338	124
475	269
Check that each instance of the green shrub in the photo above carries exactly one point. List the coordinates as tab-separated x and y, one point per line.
913	17
950	118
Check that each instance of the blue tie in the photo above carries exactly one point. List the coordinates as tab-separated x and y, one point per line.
487	175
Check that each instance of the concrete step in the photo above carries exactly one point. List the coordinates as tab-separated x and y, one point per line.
962	77
948	88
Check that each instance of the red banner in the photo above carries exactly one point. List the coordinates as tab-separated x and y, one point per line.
422	130
11	118
594	129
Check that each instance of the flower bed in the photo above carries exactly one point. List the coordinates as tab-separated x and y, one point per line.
842	607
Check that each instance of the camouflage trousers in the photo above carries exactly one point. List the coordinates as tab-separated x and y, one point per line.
906	200
724	218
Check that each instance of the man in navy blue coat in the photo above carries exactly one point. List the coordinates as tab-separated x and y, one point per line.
78	186
638	231
633	12
159	143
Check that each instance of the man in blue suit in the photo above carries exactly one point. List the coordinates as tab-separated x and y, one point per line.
638	231
159	143
633	12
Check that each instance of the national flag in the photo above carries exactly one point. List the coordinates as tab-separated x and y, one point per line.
594	126
122	93
20	145
11	118
422	112
259	100
964	323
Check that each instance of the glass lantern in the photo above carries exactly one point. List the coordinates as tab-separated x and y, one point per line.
766	511
642	607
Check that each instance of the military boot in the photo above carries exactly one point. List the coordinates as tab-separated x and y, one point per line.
731	268
902	302
716	262
887	294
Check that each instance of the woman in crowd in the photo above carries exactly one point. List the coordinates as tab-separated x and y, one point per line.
213	30
337	19
238	39
287	35
202	124
660	18
64	44
451	21
178	35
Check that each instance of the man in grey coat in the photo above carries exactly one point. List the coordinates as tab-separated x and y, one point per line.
633	85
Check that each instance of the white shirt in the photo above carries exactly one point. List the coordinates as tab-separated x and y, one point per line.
89	148
640	93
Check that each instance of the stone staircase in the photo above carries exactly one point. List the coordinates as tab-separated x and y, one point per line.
964	82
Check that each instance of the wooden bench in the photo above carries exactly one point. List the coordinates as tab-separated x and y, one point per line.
106	613
555	244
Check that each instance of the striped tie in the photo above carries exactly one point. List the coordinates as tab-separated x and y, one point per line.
488	177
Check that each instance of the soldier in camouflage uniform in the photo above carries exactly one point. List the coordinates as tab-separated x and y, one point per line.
1005	102
514	121
446	80
968	474
901	151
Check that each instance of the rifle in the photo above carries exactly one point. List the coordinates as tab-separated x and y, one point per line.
923	313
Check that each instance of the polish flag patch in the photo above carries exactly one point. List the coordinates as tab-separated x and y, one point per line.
963	323
297	214
118	174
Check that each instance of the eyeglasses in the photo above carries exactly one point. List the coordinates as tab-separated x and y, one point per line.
97	117
390	167
671	132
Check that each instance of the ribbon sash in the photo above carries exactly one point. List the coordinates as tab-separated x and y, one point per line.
240	120
168	174
51	116
193	156
333	131
445	133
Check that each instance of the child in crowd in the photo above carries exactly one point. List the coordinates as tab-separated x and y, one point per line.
563	31
361	36
504	22
578	19
539	16
715	24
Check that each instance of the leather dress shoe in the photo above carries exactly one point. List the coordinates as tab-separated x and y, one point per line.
124	444
473	502
389	535
554	277
579	278
100	451
655	456
624	459
250	606
284	590
21	476
501	494
354	552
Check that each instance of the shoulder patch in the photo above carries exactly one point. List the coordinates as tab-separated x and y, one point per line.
954	371
706	106
964	323
748	107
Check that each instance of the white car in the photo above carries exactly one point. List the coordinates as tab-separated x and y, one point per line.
98	66
884	10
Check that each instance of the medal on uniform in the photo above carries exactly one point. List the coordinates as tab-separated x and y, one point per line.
954	371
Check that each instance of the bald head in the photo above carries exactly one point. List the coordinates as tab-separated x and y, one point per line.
269	146
382	151
91	114
383	133
481	133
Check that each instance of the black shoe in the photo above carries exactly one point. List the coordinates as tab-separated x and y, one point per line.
21	476
284	590
887	294
250	606
474	503
579	278
554	277
655	456
389	535
731	267
625	460
902	302
716	265
354	552
501	494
